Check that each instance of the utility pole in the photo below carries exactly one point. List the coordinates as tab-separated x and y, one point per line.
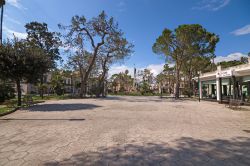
2	3
199	86
134	82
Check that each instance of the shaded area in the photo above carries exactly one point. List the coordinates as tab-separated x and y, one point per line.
143	99
62	107
247	131
24	119
187	151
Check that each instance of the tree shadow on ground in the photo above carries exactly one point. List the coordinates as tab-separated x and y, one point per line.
187	151
61	107
142	99
41	119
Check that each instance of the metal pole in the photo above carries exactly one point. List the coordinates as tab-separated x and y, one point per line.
71	81
1	31
199	88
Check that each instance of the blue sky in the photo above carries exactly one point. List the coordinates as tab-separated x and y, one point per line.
143	21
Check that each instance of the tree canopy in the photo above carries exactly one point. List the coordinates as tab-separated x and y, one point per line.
102	38
184	44
21	61
40	36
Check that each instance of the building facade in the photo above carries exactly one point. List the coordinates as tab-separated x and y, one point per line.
28	88
227	83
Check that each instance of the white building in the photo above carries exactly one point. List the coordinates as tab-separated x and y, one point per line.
225	84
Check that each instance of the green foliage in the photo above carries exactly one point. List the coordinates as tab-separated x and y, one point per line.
188	92
104	37
6	92
227	64
21	61
183	45
49	42
124	80
57	82
4	110
147	76
145	88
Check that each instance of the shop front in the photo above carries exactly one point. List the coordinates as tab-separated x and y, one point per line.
225	84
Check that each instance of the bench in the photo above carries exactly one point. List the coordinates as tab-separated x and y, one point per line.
234	104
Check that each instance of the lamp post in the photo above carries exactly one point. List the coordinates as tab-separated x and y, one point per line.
71	81
199	86
2	3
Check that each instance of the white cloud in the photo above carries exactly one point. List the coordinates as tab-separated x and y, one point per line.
212	5
9	33
118	69
8	18
121	6
242	31
16	3
230	57
156	68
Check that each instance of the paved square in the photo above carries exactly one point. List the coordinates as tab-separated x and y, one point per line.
125	131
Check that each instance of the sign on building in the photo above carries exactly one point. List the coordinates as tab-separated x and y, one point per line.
225	73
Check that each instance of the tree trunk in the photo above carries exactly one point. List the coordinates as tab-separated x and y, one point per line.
177	86
41	87
190	85
82	88
19	92
100	90
102	78
103	89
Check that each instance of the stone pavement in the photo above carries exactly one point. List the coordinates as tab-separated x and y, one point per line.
125	131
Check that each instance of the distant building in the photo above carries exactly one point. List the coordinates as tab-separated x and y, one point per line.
28	88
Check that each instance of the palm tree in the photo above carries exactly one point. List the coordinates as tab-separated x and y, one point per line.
2	3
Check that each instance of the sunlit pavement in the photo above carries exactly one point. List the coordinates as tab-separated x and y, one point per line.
125	131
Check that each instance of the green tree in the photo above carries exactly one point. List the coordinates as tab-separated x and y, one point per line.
147	79
147	76
124	80
191	68
79	62
20	61
145	88
184	43
49	42
6	91
226	64
114	50
57	82
94	33
166	79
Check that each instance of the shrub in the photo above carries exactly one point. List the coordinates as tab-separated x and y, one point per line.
6	92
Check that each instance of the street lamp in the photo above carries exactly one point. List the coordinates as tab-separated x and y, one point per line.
199	86
2	3
71	81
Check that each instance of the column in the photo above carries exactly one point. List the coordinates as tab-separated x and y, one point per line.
218	89
234	87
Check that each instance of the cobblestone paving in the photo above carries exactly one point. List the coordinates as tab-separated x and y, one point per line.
125	131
